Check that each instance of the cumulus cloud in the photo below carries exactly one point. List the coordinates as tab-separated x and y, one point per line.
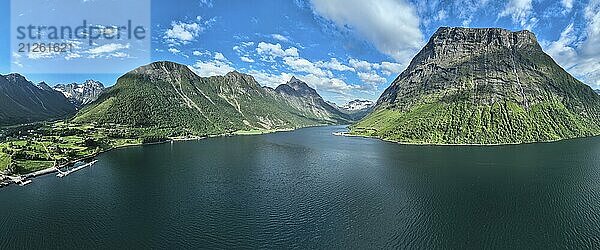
219	65
269	79
389	68
332	84
280	37
185	32
182	32
578	52
392	26
246	59
303	65
371	77
109	50
521	12
220	57
270	51
334	64
174	50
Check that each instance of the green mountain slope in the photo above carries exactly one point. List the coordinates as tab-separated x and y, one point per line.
23	102
170	96
483	86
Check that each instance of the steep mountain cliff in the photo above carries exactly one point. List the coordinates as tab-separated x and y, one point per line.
483	86
23	102
81	94
169	95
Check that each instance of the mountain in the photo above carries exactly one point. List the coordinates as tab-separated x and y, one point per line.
357	105
597	91
483	86
300	96
81	94
170	96
23	102
356	109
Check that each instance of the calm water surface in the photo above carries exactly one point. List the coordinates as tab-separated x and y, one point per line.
310	189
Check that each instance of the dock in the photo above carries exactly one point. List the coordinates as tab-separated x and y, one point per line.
19	180
62	174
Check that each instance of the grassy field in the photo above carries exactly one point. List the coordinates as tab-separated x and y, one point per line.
32	166
4	161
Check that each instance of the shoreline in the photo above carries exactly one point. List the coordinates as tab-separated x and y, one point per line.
54	169
346	134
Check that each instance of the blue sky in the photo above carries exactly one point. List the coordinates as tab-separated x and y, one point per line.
346	49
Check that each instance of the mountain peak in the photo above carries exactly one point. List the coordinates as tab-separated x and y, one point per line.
163	70
482	36
297	87
161	66
16	78
44	86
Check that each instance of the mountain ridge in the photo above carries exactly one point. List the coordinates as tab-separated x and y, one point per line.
171	96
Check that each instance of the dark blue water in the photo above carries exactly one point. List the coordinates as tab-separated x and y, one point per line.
310	189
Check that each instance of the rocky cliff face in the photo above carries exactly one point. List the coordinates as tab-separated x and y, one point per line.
81	94
483	86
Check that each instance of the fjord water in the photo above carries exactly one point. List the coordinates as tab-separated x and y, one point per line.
310	189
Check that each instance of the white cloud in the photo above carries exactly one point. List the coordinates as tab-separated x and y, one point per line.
174	50
280	37
441	15
361	65
220	57
246	59
392	26
182	33
330	84
389	68
303	65
334	64
579	53
215	67
108	48
521	12
568	5
270	51
371	77
71	56
268	79
367	72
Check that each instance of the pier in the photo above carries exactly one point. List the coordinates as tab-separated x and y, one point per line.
62	174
